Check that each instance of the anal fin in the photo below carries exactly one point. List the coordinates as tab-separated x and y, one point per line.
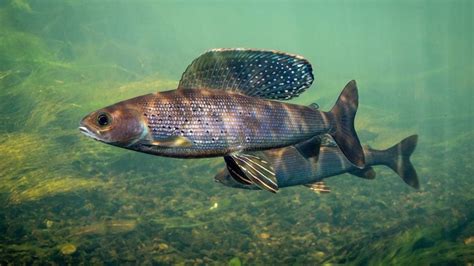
257	170
319	187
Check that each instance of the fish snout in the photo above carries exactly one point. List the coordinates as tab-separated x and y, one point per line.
84	129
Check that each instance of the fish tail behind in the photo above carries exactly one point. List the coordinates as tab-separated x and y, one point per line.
344	134
399	160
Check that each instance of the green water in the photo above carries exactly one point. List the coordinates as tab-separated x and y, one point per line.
68	199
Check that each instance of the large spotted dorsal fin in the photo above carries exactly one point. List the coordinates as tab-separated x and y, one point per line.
260	73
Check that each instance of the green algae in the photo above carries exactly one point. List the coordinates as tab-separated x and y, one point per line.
25	175
413	245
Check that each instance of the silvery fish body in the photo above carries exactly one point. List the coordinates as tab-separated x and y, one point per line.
225	105
218	122
309	163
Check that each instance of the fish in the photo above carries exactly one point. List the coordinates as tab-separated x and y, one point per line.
229	102
309	163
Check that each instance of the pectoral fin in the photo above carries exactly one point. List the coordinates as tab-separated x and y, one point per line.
257	170
235	171
171	142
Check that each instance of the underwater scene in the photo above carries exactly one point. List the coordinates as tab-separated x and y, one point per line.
67	199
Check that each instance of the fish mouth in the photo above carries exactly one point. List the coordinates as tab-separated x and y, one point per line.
87	132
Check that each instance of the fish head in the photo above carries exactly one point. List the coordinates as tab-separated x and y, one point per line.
119	125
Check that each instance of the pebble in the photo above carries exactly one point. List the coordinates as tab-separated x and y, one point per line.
162	246
469	240
68	249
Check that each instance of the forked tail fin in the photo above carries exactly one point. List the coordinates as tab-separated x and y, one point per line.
399	160
344	134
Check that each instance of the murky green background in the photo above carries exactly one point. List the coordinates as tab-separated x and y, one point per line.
67	199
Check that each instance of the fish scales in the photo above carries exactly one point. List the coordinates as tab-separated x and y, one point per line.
218	122
225	105
331	162
292	168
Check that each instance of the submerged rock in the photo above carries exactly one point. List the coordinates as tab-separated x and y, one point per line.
49	223
469	240
235	261
163	246
68	249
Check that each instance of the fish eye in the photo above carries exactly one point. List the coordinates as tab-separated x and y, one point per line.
103	120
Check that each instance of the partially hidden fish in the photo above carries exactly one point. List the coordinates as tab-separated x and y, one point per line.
309	164
225	106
